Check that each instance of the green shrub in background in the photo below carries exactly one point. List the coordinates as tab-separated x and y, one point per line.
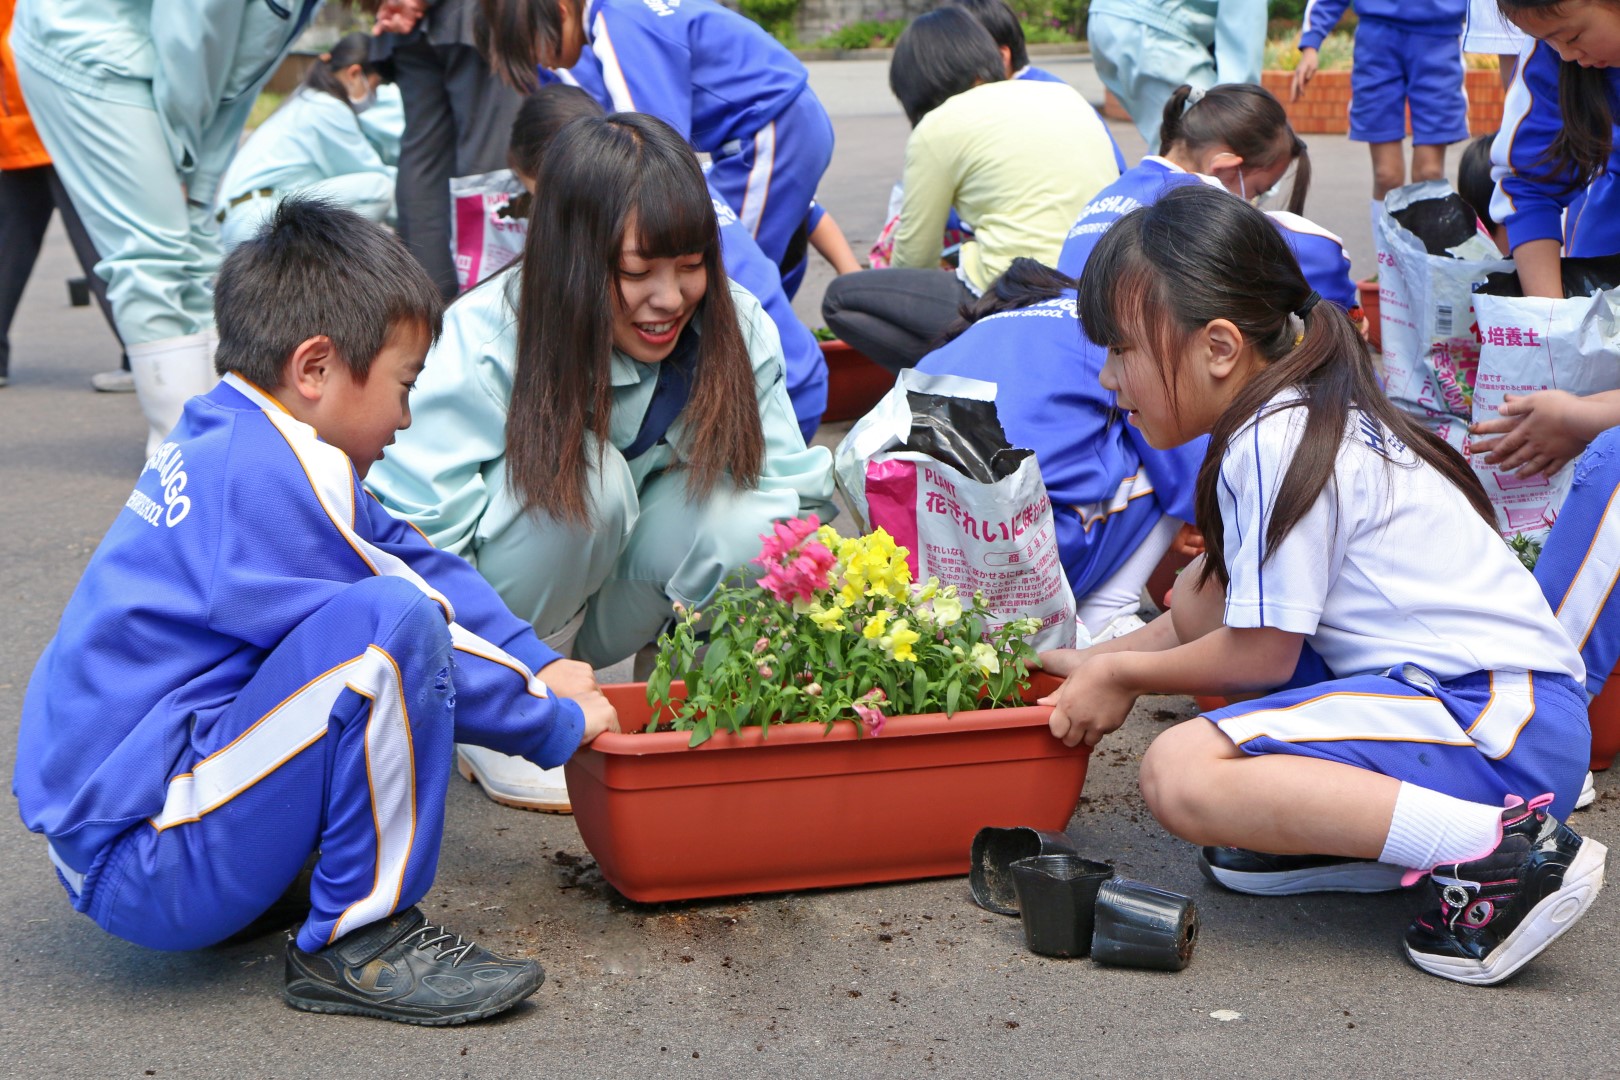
1292	10
776	16
1047	21
866	34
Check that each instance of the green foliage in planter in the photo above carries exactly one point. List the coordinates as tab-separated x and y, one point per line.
775	16
1527	548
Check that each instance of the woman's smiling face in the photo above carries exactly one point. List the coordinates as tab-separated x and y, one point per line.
656	299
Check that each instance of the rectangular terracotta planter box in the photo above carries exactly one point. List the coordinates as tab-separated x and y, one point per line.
799	809
1368	290
1324	108
854	383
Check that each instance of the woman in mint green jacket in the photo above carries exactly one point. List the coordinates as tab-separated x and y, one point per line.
604	429
141	103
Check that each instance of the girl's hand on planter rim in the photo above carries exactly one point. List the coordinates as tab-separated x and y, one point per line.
1090	703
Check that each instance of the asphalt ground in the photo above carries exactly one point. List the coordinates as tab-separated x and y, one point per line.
900	980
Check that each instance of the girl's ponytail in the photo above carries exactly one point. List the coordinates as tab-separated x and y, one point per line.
351	49
1170	121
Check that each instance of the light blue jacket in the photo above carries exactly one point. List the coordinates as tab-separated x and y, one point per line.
200	63
446	473
1228	27
312	137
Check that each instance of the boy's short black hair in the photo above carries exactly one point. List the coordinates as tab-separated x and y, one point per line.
315	268
1474	181
544	113
941	54
1002	23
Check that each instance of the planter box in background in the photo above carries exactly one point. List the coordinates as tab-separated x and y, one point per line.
854	383
802	809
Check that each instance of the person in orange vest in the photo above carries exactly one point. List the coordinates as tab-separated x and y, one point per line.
29	191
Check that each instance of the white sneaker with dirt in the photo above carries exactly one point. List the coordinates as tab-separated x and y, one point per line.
514	781
1588	794
113	382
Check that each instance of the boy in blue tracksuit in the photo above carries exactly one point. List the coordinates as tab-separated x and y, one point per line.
141	104
260	665
1408	54
714	76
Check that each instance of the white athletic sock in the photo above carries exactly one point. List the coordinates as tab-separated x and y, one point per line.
1430	828
1121	593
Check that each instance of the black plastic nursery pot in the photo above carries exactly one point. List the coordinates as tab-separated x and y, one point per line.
1143	926
994	851
1057	895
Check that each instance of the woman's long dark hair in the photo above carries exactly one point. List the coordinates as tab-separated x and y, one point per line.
1580	151
350	49
1027	281
1245	119
600	177
513	35
1165	271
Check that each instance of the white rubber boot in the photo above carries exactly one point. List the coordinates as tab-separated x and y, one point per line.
167	374
515	781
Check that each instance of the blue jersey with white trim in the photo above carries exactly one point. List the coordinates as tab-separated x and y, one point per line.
751	268
1136	187
1049	399
240	527
1531	196
585	75
1320	253
711	74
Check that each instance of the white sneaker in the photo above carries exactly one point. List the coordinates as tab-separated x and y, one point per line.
1119	626
514	781
113	382
1588	794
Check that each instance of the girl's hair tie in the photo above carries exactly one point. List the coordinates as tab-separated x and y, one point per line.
1194	96
1304	309
325	58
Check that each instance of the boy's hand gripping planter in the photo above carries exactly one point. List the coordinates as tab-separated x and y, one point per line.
931	464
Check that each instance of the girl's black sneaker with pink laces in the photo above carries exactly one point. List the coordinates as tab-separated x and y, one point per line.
404	968
1498	912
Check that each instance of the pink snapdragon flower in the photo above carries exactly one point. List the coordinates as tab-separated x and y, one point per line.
787	535
796	567
872	717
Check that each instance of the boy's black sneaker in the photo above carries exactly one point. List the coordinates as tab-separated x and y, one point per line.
404	968
1261	874
1498	912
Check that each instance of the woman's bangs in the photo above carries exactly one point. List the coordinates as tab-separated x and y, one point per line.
682	223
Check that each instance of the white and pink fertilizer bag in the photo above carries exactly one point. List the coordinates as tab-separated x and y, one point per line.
931	465
1531	343
489	221
1431	253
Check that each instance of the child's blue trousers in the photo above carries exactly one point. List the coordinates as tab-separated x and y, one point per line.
1580	561
341	744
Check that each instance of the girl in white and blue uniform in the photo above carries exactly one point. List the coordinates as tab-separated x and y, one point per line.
314	145
141	105
1116	501
728	87
1419	707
